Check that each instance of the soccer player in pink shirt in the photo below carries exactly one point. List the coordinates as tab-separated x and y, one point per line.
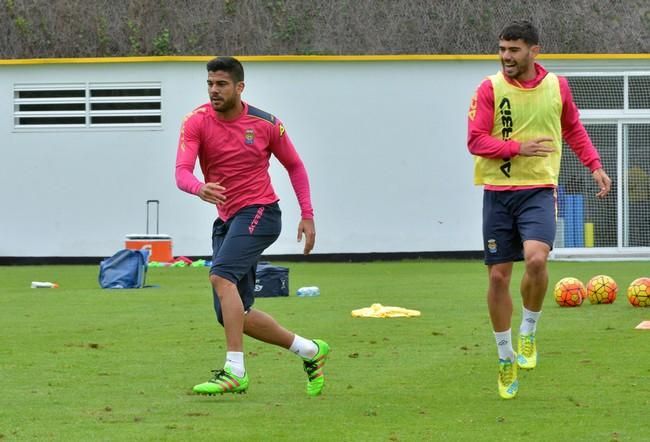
516	123
233	142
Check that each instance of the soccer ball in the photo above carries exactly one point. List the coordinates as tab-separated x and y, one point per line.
601	289
569	292
638	293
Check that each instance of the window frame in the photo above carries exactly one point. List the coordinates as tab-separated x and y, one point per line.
620	118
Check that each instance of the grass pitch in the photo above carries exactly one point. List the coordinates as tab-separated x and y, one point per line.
81	364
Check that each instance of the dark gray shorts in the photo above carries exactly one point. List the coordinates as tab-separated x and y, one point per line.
237	245
512	217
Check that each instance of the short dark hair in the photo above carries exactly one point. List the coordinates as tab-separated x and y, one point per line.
227	64
520	30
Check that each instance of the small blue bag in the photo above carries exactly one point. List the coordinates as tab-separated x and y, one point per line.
126	269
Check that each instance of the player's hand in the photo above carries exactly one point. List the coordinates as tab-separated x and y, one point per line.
213	193
306	228
535	148
603	182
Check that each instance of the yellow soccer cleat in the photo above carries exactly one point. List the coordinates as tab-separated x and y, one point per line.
527	352
508	382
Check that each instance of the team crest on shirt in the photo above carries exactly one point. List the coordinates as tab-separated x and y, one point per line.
249	136
492	245
281	130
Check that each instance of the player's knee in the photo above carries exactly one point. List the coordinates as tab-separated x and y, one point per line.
219	282
499	278
536	262
214	280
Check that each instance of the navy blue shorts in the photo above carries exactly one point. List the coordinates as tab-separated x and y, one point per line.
512	217
237	245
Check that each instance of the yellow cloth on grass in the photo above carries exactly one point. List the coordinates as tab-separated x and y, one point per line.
384	311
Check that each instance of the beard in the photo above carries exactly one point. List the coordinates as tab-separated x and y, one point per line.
517	70
223	106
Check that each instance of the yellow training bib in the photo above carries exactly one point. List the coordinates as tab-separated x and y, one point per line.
522	115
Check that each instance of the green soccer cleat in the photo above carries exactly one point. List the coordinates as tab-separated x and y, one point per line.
314	369
223	381
527	349
508	382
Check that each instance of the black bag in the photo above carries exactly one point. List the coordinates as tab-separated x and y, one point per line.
271	280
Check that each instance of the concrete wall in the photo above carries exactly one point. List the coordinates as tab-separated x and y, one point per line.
383	142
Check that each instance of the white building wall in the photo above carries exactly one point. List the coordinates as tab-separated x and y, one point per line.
383	142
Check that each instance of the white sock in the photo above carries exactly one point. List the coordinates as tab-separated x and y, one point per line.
235	361
504	345
304	348
528	322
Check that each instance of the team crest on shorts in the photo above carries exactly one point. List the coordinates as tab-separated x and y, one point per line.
492	245
249	136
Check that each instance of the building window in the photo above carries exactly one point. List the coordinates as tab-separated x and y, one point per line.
615	109
87	105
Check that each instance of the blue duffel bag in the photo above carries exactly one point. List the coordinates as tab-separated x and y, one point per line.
126	269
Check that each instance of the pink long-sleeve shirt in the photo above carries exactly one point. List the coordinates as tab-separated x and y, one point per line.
235	154
481	120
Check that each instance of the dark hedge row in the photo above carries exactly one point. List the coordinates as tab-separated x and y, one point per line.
97	28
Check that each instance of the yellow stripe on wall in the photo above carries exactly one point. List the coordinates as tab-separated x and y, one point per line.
312	58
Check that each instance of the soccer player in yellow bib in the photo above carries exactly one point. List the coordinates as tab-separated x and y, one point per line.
516	122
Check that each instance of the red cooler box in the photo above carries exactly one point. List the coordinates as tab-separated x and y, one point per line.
160	245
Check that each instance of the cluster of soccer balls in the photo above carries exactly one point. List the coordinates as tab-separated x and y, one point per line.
601	289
